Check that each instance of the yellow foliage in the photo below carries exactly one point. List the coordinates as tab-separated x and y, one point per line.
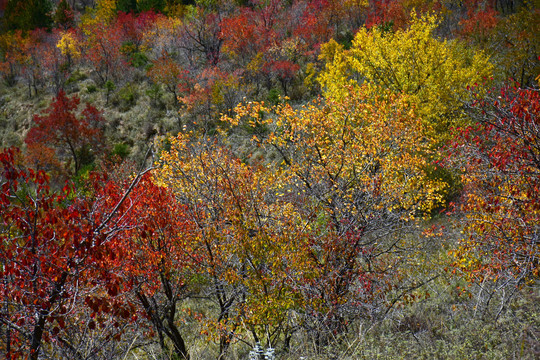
69	45
249	241
103	13
256	63
310	75
161	37
370	140
348	168
356	3
433	73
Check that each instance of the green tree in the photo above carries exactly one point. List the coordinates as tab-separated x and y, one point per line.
27	14
126	5
155	5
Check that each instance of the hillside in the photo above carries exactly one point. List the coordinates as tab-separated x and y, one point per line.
265	179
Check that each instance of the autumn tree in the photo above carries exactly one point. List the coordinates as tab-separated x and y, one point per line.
501	176
56	61
63	16
104	51
39	60
434	73
132	27
512	44
251	30
70	45
394	15
103	41
239	33
312	26
159	260
284	71
165	71
217	203
256	247
163	36
60	135
52	248
31	66
201	38
354	167
210	93
12	56
103	12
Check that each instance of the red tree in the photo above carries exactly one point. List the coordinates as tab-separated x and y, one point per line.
159	260
502	189
52	248
103	51
70	138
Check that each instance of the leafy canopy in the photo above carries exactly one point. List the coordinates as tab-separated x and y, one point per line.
434	73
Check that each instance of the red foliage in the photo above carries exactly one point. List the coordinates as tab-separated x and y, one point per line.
159	243
502	187
386	12
51	249
481	18
104	51
314	27
169	73
132	27
153	257
252	30
397	12
283	70
71	138
240	34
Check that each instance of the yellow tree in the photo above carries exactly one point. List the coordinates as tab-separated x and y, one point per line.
434	73
103	13
242	234
70	46
353	170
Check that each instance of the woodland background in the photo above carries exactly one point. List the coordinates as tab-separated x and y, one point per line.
265	179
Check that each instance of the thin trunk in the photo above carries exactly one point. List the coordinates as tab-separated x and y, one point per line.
39	328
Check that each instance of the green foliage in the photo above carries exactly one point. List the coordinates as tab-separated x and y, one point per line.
126	5
126	97
274	96
92	88
27	14
155	93
121	150
436	172
138	59
155	5
86	157
76	76
386	27
346	40
109	88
